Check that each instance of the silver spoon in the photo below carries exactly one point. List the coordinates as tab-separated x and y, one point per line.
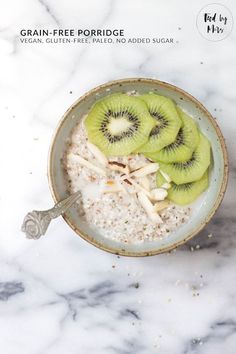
36	222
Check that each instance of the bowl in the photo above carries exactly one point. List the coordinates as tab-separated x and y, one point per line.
203	209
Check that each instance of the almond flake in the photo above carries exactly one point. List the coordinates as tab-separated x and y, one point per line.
161	205
101	158
158	194
165	175
149	208
144	182
118	166
80	160
145	170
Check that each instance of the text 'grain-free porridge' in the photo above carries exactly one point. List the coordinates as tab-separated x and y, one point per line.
139	162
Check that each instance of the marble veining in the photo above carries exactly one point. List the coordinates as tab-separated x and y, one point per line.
60	294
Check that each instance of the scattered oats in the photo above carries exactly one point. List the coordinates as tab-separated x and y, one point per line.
192	248
197	247
210	236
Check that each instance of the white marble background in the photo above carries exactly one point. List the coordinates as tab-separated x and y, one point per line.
61	295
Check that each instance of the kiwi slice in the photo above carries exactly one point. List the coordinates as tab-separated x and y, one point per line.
183	194
183	146
193	169
168	123
119	124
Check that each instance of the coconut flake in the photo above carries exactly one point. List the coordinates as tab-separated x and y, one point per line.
97	154
149	208
80	160
145	170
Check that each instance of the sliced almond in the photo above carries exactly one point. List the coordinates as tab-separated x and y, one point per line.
165	175
139	188
161	205
101	158
126	180
158	194
149	208
166	186
128	186
144	182
80	160
135	165
118	166
145	170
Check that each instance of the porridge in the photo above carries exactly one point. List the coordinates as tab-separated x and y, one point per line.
138	167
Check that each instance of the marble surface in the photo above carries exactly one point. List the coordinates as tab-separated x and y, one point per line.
59	294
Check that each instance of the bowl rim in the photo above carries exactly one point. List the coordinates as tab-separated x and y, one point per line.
214	208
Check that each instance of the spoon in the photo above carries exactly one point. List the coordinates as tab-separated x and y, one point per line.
36	222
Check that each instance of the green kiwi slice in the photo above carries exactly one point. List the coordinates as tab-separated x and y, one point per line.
168	123
183	194
183	146
193	169
119	124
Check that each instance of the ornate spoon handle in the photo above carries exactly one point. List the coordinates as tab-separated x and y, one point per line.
36	222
